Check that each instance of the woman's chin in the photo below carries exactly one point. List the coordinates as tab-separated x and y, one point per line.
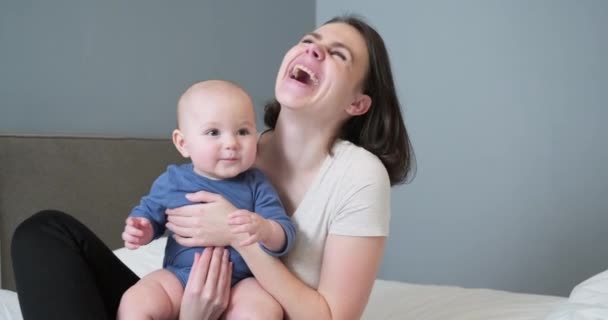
293	101
295	94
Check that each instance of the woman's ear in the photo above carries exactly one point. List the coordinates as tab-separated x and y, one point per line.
180	143
360	105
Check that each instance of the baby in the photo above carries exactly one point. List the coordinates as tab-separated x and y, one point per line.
217	131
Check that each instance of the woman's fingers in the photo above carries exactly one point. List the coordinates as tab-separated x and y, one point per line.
184	211
186	242
227	282
198	273
203	196
185	232
214	271
223	283
182	221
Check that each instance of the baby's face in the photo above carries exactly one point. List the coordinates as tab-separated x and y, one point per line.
220	133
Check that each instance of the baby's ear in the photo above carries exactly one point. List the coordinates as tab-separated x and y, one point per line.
360	105
180	143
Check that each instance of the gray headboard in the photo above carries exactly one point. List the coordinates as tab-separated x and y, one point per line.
98	180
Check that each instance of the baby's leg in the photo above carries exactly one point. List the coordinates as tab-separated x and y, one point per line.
156	296
248	300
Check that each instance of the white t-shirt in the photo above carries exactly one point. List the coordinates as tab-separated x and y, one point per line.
350	196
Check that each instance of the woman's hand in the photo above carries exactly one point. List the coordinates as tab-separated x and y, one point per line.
207	292
204	224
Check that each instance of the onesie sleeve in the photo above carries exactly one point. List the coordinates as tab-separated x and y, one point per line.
152	206
269	206
364	206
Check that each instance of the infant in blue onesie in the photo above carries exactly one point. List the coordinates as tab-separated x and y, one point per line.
216	130
249	190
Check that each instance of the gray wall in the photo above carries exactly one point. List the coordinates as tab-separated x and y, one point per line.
506	102
116	68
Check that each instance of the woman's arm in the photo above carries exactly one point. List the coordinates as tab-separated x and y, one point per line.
350	265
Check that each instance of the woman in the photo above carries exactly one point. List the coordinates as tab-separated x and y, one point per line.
336	144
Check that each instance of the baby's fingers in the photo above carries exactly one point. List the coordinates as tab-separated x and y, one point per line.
244	228
127	237
250	240
239	220
137	222
131	246
239	213
134	231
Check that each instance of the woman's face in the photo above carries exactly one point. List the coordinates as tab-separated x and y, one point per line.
324	70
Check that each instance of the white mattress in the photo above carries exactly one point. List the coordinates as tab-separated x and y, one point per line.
9	306
399	300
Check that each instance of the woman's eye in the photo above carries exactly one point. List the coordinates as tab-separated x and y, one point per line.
339	54
212	132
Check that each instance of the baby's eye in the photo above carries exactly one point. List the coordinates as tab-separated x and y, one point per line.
306	40
243	132
212	132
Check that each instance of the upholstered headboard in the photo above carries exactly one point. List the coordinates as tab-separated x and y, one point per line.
98	180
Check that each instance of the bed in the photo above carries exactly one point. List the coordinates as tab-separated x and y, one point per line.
394	300
100	179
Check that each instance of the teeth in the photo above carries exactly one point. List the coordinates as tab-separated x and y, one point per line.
298	67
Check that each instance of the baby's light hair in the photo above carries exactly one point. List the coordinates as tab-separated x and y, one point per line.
207	87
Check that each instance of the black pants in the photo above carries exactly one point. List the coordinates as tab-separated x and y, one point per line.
64	271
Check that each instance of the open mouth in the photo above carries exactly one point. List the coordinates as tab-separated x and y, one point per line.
304	75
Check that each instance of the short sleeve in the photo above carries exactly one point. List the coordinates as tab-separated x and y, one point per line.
364	208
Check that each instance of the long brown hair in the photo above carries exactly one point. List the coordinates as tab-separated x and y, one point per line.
381	130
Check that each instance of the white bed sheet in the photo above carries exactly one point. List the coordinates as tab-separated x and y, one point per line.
9	306
398	300
390	300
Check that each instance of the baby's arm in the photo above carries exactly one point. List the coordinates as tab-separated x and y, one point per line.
138	232
268	232
275	230
149	215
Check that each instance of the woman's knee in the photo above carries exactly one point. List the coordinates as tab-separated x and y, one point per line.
32	227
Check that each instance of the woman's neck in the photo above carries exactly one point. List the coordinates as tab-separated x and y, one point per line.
298	145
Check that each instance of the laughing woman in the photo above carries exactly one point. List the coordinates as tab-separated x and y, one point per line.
336	143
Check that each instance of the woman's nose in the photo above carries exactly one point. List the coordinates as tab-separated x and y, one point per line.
315	51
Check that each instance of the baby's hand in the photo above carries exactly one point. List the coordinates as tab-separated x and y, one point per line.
138	232
258	228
